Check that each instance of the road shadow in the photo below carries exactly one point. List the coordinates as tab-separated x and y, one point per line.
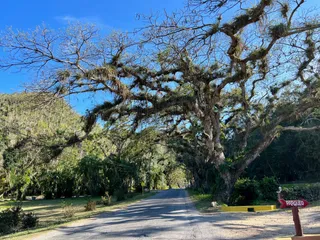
172	212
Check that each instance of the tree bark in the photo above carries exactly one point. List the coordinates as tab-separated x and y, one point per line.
225	188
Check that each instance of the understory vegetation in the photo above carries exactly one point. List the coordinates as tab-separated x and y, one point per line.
14	219
202	201
264	192
247	192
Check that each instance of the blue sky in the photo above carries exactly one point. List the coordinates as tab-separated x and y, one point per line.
106	14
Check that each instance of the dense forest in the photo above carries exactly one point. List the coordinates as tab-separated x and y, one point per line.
111	158
297	153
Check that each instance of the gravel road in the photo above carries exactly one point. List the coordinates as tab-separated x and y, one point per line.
170	215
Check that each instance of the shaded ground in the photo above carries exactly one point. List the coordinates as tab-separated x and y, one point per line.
51	213
170	215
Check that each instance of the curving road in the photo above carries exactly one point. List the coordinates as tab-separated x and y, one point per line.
167	215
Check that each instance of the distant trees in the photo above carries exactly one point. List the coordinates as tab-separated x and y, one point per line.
242	80
176	177
109	159
27	130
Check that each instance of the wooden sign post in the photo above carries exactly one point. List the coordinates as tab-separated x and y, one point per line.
296	220
294	205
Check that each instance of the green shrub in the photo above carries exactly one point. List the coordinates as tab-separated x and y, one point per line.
310	192
120	194
13	219
269	188
246	191
29	220
90	206
10	220
5	228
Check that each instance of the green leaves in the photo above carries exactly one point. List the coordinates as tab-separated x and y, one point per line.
27	131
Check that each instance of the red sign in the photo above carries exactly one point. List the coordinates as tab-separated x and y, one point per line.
293	203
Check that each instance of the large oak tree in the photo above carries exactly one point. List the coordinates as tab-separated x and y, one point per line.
240	71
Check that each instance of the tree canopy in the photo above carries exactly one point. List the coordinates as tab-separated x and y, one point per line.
240	81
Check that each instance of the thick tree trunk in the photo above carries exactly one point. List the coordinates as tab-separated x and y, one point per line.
230	175
225	187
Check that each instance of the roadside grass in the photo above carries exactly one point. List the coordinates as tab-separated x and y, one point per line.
201	201
315	204
50	212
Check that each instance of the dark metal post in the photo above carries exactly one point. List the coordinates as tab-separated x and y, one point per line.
296	220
